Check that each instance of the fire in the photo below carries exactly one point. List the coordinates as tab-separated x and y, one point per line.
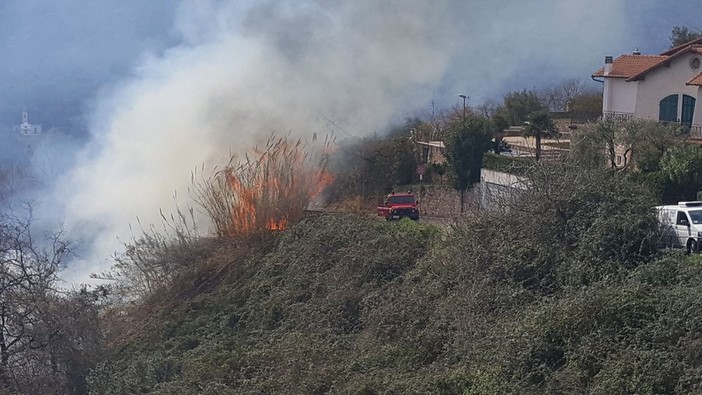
268	190
276	225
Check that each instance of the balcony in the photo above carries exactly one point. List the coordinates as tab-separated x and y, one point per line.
617	116
696	131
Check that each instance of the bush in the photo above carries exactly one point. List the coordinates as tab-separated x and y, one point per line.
291	319
558	292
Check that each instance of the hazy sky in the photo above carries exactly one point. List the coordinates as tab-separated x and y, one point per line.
58	55
143	92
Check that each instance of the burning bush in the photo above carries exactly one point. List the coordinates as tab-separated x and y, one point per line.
267	190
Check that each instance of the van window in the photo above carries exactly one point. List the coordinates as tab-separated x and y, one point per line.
696	216
682	219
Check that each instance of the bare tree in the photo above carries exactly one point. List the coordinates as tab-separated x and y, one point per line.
488	108
28	273
561	95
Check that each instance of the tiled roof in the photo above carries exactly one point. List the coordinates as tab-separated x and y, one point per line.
675	50
634	67
696	80
627	66
689	49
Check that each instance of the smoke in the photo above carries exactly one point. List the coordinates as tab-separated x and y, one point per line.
244	70
56	54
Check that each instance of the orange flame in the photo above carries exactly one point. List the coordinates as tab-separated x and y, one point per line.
272	190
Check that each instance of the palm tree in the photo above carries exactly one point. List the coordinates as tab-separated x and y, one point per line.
539	124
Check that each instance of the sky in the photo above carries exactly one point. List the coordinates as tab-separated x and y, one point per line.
133	95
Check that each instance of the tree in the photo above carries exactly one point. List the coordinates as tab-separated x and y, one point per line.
586	106
518	106
68	344
639	144
682	34
28	273
682	166
583	102
439	169
557	97
538	125
466	143
487	109
373	166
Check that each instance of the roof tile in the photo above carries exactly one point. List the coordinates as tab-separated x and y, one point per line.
627	66
674	50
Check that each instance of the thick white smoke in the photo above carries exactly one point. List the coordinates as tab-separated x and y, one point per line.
244	71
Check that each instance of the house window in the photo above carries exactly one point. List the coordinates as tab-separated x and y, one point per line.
688	110
668	109
619	160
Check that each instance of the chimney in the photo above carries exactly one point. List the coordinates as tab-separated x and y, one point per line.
636	52
608	65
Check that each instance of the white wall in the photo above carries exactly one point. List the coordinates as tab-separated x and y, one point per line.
697	119
622	95
496	187
666	81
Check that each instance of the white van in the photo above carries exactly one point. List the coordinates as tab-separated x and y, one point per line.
681	225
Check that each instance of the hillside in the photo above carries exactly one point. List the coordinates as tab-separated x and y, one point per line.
578	301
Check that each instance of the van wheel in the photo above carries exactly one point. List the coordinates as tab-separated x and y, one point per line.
691	246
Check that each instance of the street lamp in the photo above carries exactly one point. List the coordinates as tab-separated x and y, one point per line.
463	190
464	106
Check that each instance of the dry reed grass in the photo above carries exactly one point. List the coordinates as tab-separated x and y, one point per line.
267	190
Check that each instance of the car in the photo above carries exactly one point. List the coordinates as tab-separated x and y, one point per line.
399	205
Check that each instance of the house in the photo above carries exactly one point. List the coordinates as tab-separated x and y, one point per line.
664	87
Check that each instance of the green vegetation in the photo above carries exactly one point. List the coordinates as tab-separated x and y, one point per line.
466	142
653	154
295	317
373	166
564	292
518	105
682	34
539	124
507	164
560	289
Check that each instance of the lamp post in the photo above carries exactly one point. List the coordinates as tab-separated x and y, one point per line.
463	190
464	108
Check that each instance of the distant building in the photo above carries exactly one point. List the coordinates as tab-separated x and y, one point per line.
26	128
432	152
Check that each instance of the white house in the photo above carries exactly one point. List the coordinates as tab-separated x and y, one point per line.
663	87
